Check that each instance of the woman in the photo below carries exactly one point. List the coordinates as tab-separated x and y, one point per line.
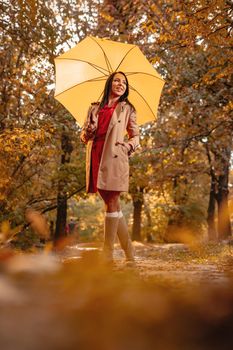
107	165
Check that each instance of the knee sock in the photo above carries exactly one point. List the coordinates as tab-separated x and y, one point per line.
124	238
110	231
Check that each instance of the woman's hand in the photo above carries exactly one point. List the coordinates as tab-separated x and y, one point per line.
90	132
87	133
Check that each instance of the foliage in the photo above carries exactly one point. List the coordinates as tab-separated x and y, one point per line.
31	120
25	240
188	42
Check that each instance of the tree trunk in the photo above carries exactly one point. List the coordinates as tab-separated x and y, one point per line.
60	230
212	233
137	215
149	236
61	214
224	224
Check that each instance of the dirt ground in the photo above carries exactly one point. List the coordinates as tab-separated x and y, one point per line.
176	297
176	261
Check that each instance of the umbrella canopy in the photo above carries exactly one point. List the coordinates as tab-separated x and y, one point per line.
82	71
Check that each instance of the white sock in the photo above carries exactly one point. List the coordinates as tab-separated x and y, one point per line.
112	215
120	214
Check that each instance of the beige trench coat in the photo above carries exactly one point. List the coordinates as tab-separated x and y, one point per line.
113	172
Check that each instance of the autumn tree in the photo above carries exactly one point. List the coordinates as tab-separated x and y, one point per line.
185	155
189	43
32	122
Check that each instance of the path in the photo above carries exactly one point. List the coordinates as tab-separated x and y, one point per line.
176	299
169	261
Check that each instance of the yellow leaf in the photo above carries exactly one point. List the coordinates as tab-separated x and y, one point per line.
5	228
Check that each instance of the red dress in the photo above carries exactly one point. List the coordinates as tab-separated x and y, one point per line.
105	115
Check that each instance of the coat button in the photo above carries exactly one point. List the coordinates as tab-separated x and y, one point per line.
115	156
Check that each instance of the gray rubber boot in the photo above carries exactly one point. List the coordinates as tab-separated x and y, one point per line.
124	238
110	231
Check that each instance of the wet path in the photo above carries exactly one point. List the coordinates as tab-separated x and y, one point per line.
70	301
167	261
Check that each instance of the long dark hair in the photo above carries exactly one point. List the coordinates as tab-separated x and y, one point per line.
107	91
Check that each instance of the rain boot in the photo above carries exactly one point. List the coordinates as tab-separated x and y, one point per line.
124	238
110	231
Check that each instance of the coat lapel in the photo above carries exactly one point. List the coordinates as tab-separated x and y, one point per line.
115	116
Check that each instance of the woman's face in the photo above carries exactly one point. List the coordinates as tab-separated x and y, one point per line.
118	85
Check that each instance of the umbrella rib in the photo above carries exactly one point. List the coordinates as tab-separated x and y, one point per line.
100	96
143	99
86	81
105	56
91	64
124	57
131	73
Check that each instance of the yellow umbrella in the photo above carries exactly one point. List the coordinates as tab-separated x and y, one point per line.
82	71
